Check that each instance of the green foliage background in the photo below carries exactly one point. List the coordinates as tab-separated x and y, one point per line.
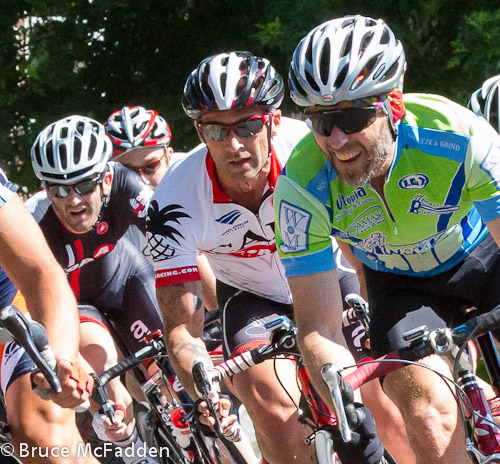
92	57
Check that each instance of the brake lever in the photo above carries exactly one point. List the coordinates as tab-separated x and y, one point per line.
333	379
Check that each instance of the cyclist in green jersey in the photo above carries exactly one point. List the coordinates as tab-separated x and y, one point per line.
410	188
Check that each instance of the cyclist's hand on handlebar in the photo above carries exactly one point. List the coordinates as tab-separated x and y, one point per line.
207	422
75	379
106	431
365	446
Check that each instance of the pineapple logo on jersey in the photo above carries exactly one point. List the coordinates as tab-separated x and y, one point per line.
160	229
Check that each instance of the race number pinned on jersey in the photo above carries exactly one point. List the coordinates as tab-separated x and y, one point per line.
294	226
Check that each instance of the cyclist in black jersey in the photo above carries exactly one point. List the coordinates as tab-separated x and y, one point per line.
89	205
26	259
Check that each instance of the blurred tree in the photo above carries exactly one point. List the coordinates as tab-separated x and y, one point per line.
92	57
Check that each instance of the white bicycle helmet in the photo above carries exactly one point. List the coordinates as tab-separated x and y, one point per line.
232	80
486	101
135	126
70	149
348	58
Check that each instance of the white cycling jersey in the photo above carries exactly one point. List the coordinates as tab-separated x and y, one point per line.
190	212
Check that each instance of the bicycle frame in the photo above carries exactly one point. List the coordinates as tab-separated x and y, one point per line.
424	343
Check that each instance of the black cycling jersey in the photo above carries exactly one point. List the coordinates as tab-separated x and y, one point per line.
104	269
126	205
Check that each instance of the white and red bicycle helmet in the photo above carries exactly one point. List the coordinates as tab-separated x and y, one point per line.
134	126
345	59
232	80
70	149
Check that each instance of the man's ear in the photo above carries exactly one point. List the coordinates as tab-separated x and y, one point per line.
106	183
276	122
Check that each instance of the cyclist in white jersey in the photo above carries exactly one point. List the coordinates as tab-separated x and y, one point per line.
409	185
222	205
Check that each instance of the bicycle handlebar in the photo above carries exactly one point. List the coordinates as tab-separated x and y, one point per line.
31	336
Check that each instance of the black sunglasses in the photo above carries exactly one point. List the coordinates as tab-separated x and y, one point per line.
348	120
244	129
83	187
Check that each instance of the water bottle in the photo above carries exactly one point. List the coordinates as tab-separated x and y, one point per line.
180	427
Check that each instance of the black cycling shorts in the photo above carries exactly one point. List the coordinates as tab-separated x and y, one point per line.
245	314
401	303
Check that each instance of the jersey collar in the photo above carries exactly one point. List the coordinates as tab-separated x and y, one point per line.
220	197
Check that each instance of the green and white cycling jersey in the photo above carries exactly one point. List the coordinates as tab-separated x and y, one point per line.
442	187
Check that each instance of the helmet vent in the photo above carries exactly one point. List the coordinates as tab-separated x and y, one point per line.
341	76
63	156
391	72
64	132
311	81
224	60
308	55
80	127
77	150
324	65
364	43
385	39
92	146
257	83
49	150
38	155
223	80
347	45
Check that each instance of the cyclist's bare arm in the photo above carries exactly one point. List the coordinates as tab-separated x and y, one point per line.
494	228
26	258
29	263
207	282
183	329
318	315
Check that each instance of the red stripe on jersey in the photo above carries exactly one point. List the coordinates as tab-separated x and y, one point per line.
218	194
176	276
75	276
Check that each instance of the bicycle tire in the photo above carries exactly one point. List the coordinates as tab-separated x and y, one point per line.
226	452
217	450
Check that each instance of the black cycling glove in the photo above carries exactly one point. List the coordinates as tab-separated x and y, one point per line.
365	447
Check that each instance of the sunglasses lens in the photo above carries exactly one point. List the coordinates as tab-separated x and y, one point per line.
58	191
214	132
250	127
85	187
82	188
349	121
151	168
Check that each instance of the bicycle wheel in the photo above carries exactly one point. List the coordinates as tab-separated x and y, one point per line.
217	450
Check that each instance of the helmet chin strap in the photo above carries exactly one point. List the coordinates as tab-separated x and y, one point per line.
105	201
392	125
